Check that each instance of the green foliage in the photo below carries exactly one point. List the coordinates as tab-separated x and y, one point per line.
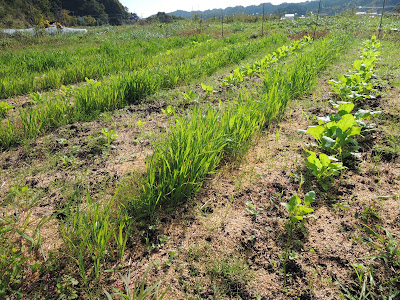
110	135
382	240
366	285
233	79
261	66
88	233
4	108
95	97
207	88
179	164
140	291
197	143
229	274
324	168
297	211
190	96
337	136
252	209
140	123
297	214
357	83
168	111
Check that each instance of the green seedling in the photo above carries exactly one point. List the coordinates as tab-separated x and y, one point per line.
168	111
297	214
68	91
36	98
140	291
252	209
207	88
233	79
140	123
191	96
4	108
110	135
324	168
67	161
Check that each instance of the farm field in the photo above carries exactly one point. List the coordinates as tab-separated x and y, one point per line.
180	161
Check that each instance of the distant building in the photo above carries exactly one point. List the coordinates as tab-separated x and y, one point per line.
363	13
289	16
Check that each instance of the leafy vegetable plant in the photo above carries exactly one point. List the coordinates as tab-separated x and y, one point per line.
297	213
337	136
324	168
168	111
207	88
109	134
190	95
357	83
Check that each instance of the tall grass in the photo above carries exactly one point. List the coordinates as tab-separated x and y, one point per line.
95	97
30	70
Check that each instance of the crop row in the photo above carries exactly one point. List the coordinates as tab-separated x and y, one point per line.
259	67
336	136
194	148
120	90
197	143
33	70
336	133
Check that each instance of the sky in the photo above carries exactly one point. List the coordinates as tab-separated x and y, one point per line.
146	8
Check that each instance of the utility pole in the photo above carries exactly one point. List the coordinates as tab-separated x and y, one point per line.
262	24
316	23
380	25
222	22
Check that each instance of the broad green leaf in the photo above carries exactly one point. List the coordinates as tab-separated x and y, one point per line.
309	198
346	106
346	122
316	131
354	131
324	159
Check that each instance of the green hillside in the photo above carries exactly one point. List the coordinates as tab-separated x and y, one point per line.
329	7
23	13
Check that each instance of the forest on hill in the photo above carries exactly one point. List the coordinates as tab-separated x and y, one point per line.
22	13
329	7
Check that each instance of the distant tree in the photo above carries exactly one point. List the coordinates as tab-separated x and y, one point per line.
397	8
115	11
163	17
134	17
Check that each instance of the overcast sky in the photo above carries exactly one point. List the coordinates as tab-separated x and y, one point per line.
145	8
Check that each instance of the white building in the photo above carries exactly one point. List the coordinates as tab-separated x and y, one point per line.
288	16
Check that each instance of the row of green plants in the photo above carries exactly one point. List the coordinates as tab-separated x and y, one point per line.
336	137
198	142
33	70
259	67
336	133
95	97
356	83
